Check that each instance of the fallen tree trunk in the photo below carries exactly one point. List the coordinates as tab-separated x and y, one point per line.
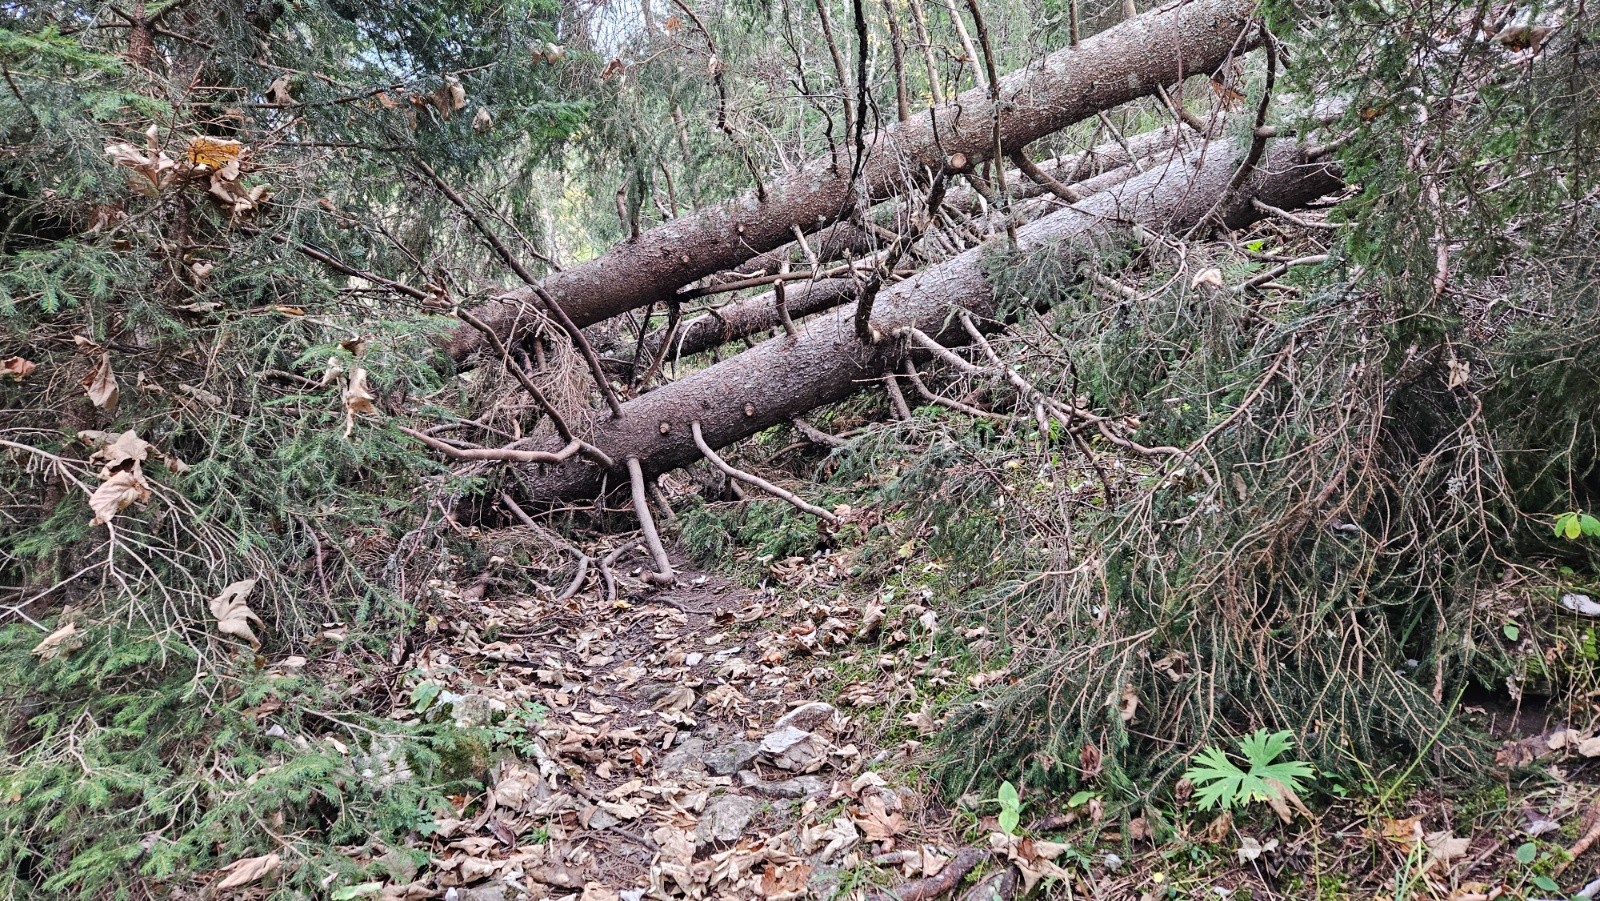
1120	64
844	240
825	362
759	313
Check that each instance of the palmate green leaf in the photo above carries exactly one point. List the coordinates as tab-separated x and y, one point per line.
1220	782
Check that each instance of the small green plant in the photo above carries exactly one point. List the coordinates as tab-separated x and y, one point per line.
1572	524
1010	808
1219	782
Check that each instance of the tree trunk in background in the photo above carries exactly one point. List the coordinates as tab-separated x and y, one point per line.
825	362
1123	63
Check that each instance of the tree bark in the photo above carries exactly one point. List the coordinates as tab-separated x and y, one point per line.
759	313
785	377
1120	64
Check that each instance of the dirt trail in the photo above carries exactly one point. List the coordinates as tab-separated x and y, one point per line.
682	750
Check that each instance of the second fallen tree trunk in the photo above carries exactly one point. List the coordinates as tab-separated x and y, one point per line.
1124	63
759	313
786	377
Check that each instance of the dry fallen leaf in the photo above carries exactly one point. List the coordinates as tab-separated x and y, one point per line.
17	368
101	385
279	91
1212	277
57	643
1444	847
152	163
249	870
450	98
358	398
482	120
233	614
117	493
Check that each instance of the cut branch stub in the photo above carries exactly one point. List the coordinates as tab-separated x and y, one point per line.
1123	63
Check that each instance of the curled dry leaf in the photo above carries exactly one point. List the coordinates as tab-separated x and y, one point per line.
482	120
116	453
279	91
249	870
233	615
117	493
1212	277
61	641
152	163
101	385
358	398
451	98
17	368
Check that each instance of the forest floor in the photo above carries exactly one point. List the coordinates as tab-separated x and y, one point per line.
716	740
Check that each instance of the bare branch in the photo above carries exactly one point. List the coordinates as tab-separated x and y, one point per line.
663	574
754	480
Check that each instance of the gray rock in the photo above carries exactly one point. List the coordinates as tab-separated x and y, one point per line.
687	758
726	819
489	892
807	717
731	759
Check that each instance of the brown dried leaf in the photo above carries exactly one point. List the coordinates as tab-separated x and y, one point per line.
249	870
101	385
233	615
878	823
117	493
358	399
59	642
783	883
279	91
17	368
450	98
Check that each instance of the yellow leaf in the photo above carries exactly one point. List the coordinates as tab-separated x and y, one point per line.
213	152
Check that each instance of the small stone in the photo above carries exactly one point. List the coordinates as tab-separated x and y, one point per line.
687	757
731	759
726	819
808	717
490	892
780	740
